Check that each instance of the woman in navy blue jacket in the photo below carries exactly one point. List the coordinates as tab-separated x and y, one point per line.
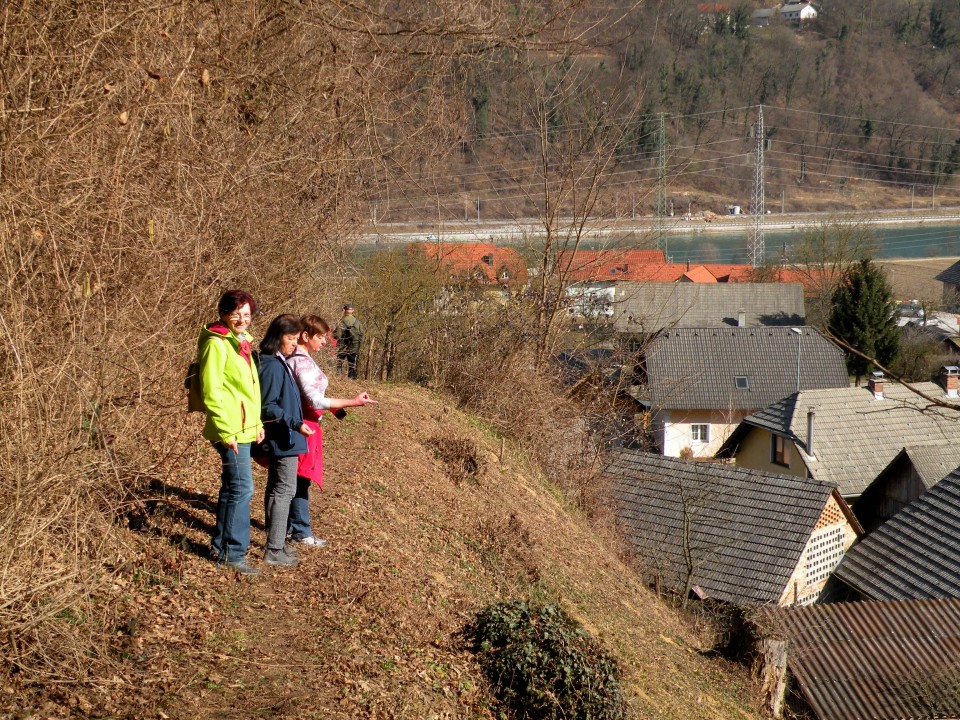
286	433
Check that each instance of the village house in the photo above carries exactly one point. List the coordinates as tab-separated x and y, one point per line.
915	554
484	263
797	12
594	276
698	384
761	17
725	533
911	473
861	660
646	308
845	436
951	283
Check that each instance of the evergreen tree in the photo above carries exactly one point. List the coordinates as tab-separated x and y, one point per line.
863	316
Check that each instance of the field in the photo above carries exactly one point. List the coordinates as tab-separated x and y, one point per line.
913	278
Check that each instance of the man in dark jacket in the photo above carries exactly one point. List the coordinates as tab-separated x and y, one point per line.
349	335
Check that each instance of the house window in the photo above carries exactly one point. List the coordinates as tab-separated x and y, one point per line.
700	433
743	382
781	451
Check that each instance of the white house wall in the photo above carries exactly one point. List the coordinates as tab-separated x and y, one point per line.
591	299
829	542
677	432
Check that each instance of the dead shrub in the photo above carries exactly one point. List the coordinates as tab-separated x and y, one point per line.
505	547
462	458
152	158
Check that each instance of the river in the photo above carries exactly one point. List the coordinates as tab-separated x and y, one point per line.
897	237
900	241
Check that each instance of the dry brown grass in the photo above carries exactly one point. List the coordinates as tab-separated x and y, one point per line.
152	157
369	627
914	278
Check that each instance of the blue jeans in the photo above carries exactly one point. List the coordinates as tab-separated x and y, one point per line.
231	536
298	524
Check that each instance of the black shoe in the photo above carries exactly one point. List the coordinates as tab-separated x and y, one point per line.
279	558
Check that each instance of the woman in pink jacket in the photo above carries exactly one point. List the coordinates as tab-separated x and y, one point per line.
313	387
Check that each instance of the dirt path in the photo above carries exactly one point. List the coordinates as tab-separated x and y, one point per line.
370	627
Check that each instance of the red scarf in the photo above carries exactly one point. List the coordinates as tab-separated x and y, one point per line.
245	350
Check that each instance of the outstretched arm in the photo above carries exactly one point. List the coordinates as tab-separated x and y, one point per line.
358	401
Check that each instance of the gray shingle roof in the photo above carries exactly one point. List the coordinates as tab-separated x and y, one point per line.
748	528
856	436
915	554
875	660
951	275
648	307
933	462
696	368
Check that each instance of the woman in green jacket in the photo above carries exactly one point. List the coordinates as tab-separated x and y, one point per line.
231	396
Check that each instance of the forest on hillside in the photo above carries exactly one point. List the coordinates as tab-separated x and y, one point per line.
866	92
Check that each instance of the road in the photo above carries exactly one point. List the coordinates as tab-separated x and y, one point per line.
514	230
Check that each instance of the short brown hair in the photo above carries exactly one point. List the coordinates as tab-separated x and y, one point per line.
314	325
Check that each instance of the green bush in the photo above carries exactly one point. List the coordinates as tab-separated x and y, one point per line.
544	665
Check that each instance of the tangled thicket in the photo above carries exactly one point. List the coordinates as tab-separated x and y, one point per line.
152	156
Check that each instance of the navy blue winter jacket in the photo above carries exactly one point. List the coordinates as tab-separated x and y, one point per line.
281	410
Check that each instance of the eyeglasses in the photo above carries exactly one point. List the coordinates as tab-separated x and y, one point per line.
238	317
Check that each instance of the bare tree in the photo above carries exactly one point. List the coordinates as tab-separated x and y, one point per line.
821	258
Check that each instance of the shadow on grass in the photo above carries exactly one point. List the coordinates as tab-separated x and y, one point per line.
179	507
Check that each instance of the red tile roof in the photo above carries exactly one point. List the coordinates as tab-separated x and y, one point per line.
607	264
698	274
649	266
484	261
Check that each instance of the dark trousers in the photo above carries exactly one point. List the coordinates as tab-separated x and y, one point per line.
351	360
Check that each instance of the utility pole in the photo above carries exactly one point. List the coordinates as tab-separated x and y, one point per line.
661	186
757	250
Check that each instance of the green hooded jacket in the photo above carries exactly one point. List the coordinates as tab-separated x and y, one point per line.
348	334
230	385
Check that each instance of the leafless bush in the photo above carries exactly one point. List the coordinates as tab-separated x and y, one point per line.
151	157
462	457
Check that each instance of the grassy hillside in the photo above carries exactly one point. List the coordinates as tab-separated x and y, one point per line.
427	524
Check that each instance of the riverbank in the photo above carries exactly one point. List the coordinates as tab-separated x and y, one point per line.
612	228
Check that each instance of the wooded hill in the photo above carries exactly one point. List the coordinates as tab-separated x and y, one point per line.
864	95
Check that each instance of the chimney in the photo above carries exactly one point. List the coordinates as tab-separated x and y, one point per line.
950	376
741	319
876	384
810	417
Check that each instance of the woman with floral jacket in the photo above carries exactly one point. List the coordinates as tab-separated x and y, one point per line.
313	387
